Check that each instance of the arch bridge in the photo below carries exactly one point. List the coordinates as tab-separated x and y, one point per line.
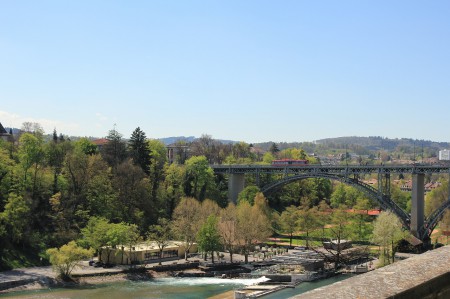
415	222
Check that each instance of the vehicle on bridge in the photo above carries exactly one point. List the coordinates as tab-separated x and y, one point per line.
289	162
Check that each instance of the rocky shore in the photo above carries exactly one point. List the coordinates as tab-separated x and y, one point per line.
45	282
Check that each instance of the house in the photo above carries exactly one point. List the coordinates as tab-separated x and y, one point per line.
406	186
143	253
178	152
431	186
3	134
100	142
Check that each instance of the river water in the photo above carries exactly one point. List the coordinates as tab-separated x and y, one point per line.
164	288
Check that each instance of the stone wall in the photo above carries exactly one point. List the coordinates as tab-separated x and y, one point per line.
424	276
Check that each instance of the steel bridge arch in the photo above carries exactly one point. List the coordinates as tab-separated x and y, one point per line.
433	220
384	200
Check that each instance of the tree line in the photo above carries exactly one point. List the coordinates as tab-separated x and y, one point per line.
54	190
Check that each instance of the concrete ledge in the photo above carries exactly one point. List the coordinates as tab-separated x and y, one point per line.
423	276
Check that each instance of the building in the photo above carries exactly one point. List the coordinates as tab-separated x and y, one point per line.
444	155
407	186
100	142
3	134
178	152
143	253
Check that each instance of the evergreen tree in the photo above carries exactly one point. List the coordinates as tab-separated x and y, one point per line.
274	149
114	152
55	136
139	150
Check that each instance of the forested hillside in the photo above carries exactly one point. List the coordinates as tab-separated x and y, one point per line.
55	189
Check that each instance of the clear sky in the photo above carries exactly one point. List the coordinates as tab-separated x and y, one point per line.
242	70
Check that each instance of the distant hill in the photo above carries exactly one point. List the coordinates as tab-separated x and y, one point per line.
363	145
359	145
171	140
381	143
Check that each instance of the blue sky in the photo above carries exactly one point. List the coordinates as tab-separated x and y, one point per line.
242	70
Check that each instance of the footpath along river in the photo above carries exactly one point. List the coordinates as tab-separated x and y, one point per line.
163	288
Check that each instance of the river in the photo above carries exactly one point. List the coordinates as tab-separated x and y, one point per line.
164	288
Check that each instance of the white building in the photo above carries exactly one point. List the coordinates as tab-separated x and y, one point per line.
444	155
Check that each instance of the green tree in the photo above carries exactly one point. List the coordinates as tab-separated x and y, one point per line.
248	194
339	196
95	234
161	234
199	175
31	156
401	198
173	185
435	198
6	175
16	216
158	158
268	158
134	195
101	196
387	232
66	258
114	151
120	234
361	219
274	149
288	221
55	156
308	221
208	236
139	150
86	146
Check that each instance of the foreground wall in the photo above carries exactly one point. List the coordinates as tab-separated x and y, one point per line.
423	276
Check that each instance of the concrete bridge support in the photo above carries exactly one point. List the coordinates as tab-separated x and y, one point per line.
236	183
417	203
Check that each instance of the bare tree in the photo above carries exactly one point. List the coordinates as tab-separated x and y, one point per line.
185	222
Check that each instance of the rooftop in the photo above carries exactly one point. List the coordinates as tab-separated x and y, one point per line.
3	131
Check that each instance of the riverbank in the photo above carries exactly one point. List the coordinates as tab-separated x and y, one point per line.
44	278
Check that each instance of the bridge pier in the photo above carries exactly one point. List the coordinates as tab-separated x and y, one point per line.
417	203
236	183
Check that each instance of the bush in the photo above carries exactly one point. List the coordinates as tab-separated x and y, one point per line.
65	258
